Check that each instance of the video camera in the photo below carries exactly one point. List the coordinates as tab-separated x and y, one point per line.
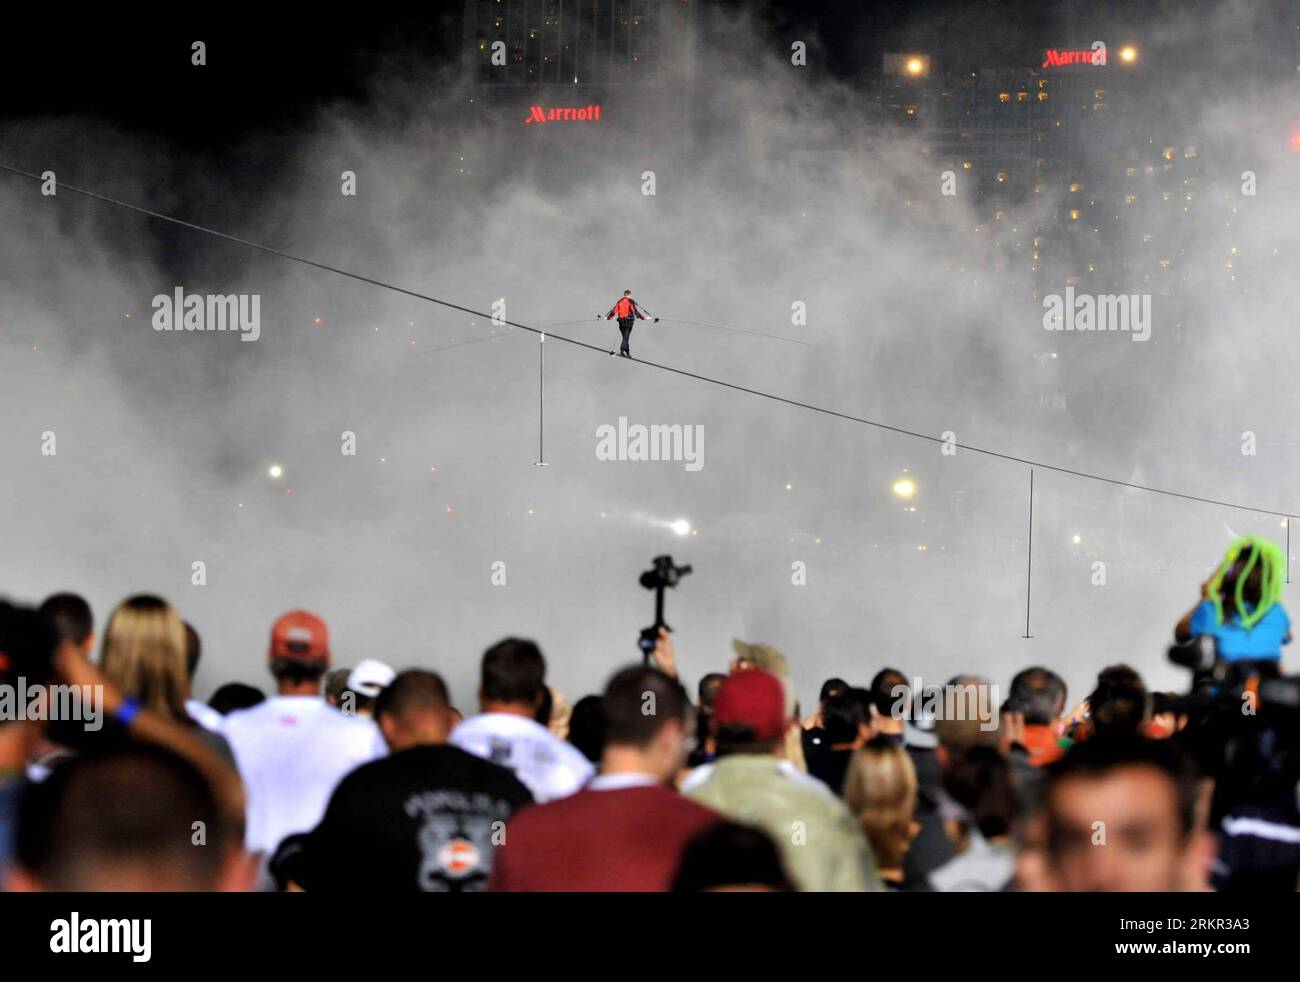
661	575
1243	727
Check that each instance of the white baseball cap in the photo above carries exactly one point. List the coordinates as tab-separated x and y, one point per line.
370	677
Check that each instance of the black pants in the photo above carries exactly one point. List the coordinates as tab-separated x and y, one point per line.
625	326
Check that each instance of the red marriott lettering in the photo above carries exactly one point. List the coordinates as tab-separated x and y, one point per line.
540	114
1056	57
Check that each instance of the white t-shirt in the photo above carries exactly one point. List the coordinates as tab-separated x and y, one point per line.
549	767
291	752
204	715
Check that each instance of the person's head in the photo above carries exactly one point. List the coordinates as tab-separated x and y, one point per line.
234	696
1248	582
766	658
831	687
846	719
728	857
627	293
365	683
891	701
749	714
587	727
144	654
1121	815
1119	704
413	710
299	653
193	650
336	686
880	790
512	678
1039	693
72	620
980	780
966	716
126	820
708	691
649	723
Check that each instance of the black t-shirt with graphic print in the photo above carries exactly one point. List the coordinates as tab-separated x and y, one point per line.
424	819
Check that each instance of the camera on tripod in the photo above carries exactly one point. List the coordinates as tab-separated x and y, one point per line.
662	574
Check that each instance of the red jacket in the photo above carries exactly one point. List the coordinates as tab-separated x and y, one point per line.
624	309
622	839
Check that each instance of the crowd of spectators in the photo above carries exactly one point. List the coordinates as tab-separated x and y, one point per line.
368	778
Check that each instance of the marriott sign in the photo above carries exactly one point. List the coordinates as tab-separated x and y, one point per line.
1056	57
540	114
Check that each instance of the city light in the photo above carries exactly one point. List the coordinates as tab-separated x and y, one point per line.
915	66
681	526
904	487
1078	539
276	471
1128	54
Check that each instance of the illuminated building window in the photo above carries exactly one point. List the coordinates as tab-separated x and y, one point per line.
965	165
1167	153
1189	153
1074	187
1004	97
1164	264
1130	198
1001	176
1022	96
1146	236
1164	195
1074	214
1130	171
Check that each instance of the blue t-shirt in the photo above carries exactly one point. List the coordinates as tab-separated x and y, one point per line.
1235	643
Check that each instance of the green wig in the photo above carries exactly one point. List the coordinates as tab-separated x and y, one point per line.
1252	552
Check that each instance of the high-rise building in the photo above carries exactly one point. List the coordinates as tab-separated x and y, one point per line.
562	65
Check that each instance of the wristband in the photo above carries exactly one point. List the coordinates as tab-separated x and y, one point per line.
128	711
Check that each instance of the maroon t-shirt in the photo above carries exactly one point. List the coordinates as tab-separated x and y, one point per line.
621	839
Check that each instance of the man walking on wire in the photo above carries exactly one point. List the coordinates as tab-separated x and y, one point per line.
628	312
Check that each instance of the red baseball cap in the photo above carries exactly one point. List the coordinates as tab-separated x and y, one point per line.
301	636
755	698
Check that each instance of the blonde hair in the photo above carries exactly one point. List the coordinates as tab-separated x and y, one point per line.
880	791
144	654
